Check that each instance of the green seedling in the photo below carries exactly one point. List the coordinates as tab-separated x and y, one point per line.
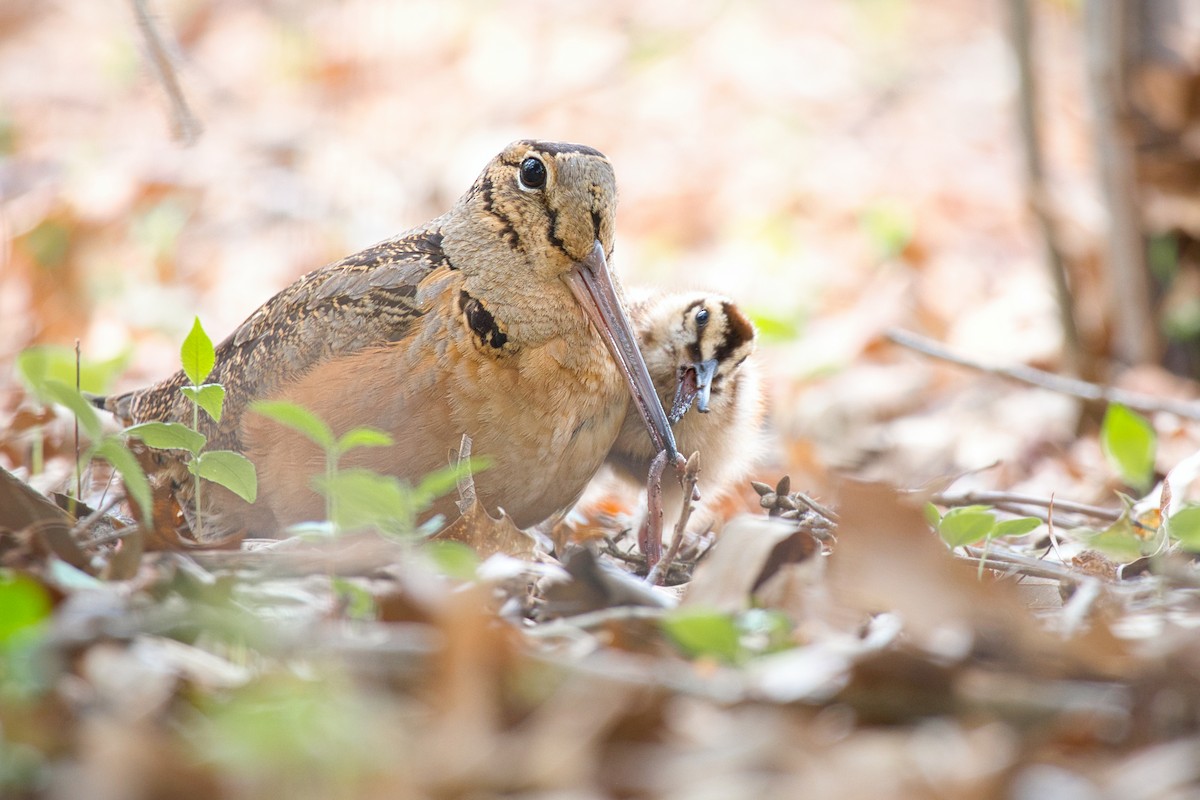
42	371
223	467
966	525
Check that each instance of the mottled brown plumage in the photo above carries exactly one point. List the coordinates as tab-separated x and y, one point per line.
691	340
497	320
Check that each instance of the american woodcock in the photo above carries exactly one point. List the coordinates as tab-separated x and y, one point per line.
697	347
499	320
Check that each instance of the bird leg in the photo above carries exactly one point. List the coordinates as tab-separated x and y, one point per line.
689	476
650	532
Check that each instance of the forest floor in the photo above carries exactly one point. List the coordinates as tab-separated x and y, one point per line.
843	171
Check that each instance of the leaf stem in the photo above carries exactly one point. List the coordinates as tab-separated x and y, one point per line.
196	474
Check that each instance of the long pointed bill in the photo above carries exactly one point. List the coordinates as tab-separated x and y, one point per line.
592	286
705	371
695	381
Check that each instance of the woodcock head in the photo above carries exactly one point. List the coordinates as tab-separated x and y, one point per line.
701	339
540	219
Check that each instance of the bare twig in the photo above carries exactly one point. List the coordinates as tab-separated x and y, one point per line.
1106	23
1007	500
691	474
1026	565
466	482
828	514
78	468
184	125
91	519
1021	36
1072	387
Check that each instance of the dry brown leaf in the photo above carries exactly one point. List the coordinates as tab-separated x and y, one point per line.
23	508
728	576
477	529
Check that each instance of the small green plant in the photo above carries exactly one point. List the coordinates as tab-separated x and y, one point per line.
966	525
223	467
45	374
360	498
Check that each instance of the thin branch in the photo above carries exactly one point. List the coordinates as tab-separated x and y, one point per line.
1145	403
1026	565
1014	499
1021	36
184	125
1106	23
828	514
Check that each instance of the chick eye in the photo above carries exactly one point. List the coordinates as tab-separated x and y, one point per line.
533	174
702	317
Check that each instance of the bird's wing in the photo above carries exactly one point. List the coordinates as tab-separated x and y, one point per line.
365	300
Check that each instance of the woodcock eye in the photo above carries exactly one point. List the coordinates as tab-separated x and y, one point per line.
702	318
533	174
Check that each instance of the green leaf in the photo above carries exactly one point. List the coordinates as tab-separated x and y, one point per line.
1119	541
229	469
137	487
454	559
363	437
1015	527
699	632
57	392
26	603
36	365
197	354
1129	443
1184	526
963	526
932	515
298	419
367	499
210	397
168	436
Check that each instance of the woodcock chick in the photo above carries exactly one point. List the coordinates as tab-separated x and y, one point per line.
499	320
697	347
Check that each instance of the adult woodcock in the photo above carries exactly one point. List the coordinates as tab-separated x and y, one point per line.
697	347
499	320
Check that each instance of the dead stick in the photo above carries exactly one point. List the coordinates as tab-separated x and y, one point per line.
1147	404
1021	36
1009	498
78	468
184	124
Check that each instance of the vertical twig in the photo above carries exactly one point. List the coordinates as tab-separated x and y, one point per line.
466	482
184	125
1021	34
78	468
1106	23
